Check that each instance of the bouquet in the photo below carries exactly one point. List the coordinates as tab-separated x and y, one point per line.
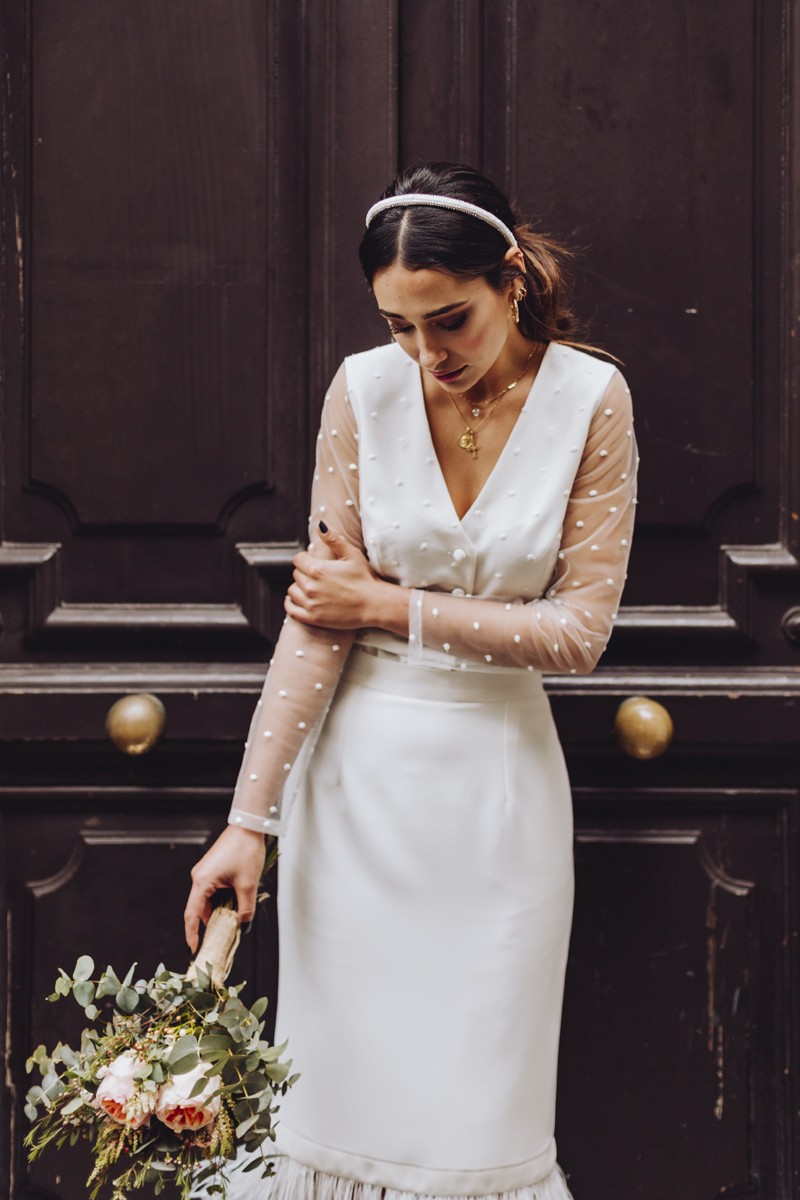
171	1083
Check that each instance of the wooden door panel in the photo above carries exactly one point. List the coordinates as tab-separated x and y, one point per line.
674	1044
156	411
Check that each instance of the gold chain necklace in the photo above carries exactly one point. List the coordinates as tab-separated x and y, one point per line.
466	440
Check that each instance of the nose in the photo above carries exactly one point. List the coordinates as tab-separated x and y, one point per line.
430	355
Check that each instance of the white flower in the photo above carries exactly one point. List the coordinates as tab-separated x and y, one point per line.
174	1108
118	1094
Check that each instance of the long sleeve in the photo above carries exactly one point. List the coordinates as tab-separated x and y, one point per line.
307	662
567	629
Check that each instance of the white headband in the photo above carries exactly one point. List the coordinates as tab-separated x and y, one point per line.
423	198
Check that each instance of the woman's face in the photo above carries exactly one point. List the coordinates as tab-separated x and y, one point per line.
457	329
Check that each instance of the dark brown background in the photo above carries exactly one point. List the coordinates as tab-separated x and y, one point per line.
183	192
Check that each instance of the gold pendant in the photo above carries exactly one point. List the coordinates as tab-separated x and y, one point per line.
467	442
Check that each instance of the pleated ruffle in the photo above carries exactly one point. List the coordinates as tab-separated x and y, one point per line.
294	1181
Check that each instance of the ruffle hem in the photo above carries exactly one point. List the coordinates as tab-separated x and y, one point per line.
295	1181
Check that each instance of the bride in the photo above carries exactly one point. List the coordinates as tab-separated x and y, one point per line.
470	524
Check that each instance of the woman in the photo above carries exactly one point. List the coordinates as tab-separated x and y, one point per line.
471	516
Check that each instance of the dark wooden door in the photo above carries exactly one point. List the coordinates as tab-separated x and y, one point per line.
183	192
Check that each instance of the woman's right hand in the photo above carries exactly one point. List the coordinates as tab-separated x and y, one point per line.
236	860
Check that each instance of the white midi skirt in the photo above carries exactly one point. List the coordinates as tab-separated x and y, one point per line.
425	902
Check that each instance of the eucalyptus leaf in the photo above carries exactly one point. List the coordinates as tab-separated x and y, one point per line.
184	1065
259	1008
203	980
199	1087
65	1054
251	1166
92	1012
206	1004
271	1053
73	1105
108	984
204	1173
50	1080
84	968
126	999
83	992
183	1046
242	1129
277	1071
214	1041
39	1059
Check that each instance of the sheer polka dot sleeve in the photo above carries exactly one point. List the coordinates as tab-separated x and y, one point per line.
307	662
566	630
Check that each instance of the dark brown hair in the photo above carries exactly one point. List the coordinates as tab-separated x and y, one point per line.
441	239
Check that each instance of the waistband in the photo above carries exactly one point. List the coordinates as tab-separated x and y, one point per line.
386	673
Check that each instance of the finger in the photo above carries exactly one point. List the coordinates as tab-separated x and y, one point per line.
308	584
305	562
334	541
246	902
296	612
198	908
298	594
301	602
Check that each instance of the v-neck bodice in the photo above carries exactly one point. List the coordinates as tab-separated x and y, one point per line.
498	465
506	544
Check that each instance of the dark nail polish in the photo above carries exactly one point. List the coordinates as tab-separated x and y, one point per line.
323	527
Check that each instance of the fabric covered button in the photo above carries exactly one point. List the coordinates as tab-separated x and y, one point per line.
459	555
458	592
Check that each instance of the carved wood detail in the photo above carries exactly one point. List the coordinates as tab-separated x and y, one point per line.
263	575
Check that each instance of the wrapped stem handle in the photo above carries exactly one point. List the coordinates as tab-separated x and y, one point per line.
218	946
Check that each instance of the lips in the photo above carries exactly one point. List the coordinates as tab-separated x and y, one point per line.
448	376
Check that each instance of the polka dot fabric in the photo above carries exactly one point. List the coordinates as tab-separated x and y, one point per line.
529	577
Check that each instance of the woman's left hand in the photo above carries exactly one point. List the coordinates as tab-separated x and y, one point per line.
335	592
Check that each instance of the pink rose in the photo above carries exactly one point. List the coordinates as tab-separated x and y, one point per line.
174	1108
118	1094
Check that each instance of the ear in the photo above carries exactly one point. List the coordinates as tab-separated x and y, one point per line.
515	259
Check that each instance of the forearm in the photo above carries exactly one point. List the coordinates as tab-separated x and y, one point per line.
386	607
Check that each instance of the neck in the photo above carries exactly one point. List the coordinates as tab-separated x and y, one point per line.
516	358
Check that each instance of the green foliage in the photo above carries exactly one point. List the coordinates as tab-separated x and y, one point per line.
168	1026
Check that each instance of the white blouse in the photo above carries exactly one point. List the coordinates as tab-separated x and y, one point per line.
530	576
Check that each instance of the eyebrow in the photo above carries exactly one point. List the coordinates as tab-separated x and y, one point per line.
437	312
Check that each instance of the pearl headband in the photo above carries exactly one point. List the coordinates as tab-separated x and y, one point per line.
423	198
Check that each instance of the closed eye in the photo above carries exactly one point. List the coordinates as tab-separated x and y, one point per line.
450	326
456	322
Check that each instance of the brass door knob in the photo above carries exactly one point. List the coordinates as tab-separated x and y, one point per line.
643	727
135	723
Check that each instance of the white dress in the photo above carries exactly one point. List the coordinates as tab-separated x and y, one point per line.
418	785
